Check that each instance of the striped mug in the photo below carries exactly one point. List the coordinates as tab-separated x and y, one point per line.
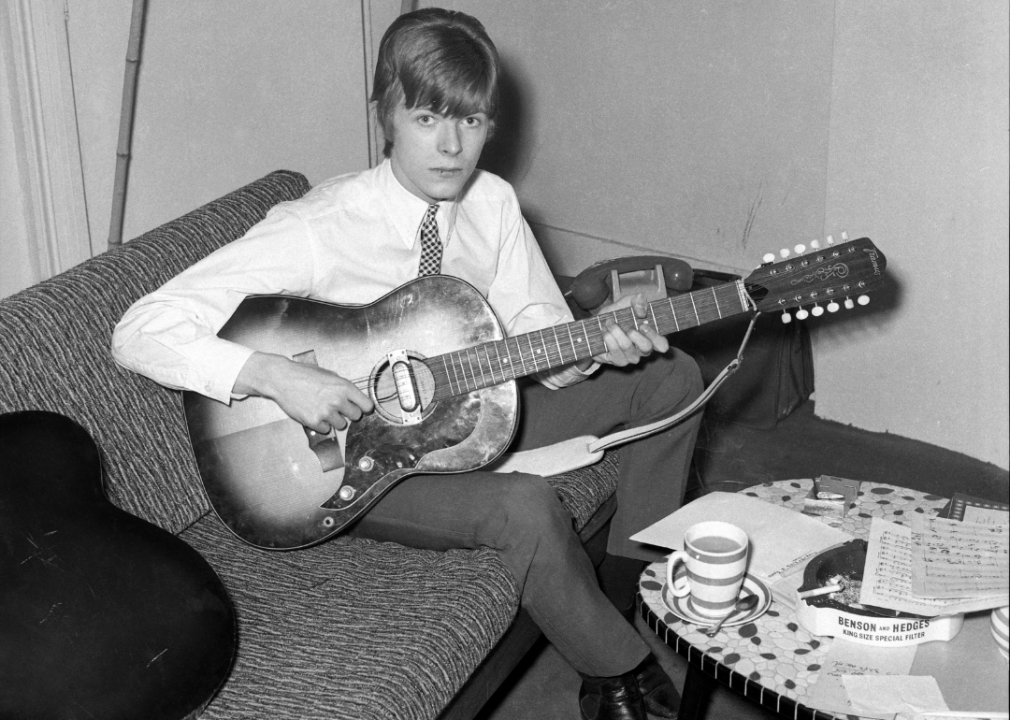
715	554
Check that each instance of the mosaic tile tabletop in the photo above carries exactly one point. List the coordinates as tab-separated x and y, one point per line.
774	651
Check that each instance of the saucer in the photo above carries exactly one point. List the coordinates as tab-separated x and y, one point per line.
680	607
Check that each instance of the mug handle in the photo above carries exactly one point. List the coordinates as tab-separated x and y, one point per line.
681	588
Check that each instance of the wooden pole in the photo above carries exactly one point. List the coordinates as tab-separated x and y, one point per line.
126	122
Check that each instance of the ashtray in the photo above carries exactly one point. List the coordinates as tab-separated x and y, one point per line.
839	614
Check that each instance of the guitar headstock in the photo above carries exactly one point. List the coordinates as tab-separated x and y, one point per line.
826	277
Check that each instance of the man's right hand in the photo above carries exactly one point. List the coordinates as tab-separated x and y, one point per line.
315	397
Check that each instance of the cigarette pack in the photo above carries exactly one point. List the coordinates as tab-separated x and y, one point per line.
831	496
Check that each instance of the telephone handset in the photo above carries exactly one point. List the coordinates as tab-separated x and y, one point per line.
651	275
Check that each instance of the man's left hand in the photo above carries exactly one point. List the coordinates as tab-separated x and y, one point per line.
627	347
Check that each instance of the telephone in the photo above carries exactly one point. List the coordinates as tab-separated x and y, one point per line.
609	280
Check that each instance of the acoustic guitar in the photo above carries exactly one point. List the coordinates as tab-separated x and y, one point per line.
102	614
433	358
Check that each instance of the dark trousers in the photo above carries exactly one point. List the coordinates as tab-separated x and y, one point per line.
522	518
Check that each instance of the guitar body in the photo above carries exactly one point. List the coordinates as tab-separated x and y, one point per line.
277	485
102	615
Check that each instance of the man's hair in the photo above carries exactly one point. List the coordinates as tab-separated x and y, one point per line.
437	59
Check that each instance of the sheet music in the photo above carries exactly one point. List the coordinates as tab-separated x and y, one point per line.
887	576
957	559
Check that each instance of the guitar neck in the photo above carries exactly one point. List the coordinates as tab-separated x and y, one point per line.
498	361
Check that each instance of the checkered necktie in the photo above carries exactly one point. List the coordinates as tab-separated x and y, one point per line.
431	246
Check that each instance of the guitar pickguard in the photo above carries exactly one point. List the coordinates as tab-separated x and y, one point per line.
376	447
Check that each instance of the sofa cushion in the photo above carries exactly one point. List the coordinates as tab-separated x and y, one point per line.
54	353
355	629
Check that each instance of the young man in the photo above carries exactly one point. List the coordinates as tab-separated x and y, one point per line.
427	209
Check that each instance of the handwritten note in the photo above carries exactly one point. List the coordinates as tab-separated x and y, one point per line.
902	694
847	659
887	576
957	559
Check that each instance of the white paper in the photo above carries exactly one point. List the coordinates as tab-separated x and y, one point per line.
951	558
846	659
887	576
901	694
781	540
962	715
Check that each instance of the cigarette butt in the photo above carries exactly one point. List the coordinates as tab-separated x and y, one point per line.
826	590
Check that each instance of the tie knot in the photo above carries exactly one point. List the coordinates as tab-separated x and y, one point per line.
432	209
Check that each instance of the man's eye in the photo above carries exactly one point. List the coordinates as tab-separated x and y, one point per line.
472	121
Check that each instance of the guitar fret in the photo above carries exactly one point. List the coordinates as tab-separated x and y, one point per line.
490	365
571	341
673	314
599	321
542	350
561	353
448	379
463	372
487	363
518	351
533	357
695	306
716	298
497	354
470	363
480	365
455	371
508	350
655	322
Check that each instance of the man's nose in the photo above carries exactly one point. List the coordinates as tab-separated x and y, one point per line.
448	138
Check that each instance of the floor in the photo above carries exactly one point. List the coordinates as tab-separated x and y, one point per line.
730	457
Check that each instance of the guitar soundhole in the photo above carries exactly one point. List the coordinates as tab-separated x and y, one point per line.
403	395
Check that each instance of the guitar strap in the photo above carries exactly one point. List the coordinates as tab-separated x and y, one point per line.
585	450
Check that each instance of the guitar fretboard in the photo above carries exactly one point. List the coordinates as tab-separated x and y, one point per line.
498	361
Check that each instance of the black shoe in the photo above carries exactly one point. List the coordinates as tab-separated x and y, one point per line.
611	698
660	697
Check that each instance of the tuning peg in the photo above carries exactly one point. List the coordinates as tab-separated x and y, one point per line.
863	300
768	258
816	310
815	244
802	314
784	253
849	304
831	240
800	249
833	307
845	236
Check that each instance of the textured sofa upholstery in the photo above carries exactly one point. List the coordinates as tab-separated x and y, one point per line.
347	629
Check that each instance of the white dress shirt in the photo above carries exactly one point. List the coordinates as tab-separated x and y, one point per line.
350	240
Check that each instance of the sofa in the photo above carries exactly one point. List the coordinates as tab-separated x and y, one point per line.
349	628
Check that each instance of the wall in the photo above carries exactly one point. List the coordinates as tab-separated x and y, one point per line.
698	128
227	93
918	158
719	131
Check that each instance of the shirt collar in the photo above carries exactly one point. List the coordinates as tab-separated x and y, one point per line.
406	210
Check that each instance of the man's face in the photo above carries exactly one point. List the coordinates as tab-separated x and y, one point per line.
433	156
